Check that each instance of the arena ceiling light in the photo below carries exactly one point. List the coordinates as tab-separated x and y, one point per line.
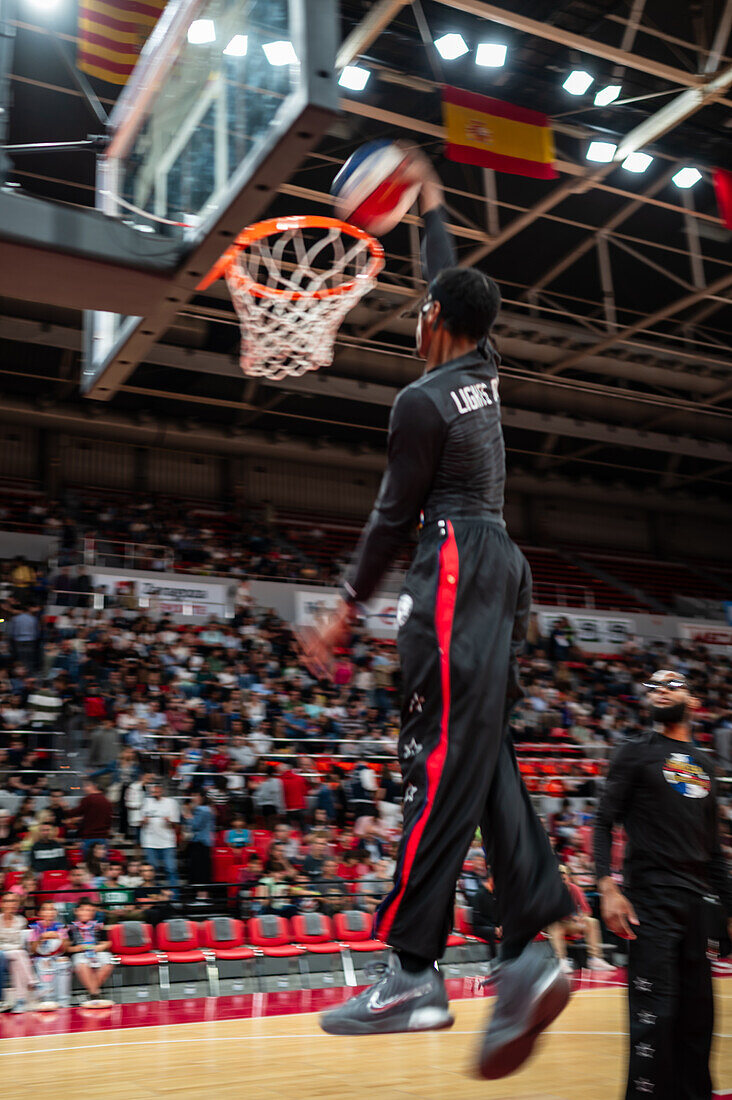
354	78
238	46
491	54
686	177
43	5
451	46
280	53
577	82
601	151
201	31
607	95
637	162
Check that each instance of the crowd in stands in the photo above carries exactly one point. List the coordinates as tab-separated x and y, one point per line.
164	534
149	769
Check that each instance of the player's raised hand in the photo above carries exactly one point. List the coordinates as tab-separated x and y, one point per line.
421	169
318	643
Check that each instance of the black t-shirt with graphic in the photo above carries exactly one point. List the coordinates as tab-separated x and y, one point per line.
664	792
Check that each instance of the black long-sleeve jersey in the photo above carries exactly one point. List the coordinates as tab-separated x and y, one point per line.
664	792
446	456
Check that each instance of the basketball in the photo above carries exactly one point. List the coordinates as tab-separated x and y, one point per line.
374	189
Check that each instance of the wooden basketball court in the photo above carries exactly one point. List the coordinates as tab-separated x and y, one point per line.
289	1058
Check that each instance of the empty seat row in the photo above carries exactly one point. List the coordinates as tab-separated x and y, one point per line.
180	941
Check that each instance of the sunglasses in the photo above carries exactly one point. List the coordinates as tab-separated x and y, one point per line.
673	685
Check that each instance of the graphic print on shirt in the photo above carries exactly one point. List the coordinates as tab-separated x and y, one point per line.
683	773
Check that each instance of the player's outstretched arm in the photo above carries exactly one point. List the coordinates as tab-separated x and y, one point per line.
438	250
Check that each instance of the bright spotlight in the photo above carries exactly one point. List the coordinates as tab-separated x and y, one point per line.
491	54
354	78
451	46
607	95
637	162
686	177
601	151
577	82
201	31
238	46
280	53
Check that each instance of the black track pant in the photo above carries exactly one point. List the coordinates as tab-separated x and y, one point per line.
470	593
670	1000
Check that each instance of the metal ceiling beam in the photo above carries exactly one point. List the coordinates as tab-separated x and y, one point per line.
611	224
721	38
377	19
572	41
674	113
663	314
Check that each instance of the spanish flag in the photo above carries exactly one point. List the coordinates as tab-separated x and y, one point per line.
112	34
497	135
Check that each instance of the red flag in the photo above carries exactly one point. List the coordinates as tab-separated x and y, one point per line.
723	189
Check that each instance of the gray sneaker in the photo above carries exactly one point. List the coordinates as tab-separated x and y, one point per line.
532	991
399	1001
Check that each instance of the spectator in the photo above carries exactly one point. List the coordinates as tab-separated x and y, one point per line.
93	816
131	876
313	864
104	748
12	945
296	793
80	885
57	808
24	633
250	878
269	797
89	950
581	923
159	817
48	944
237	836
330	889
134	798
202	827
48	852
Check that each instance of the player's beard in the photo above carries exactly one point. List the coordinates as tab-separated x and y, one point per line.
669	715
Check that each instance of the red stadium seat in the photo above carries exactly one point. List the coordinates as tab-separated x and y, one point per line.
132	943
51	881
273	936
315	931
224	865
177	942
355	928
225	938
178	939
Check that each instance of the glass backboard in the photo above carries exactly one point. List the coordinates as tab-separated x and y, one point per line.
226	99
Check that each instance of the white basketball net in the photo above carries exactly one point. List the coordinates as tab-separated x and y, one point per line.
294	331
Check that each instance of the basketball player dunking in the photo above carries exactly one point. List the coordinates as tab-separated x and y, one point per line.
462	619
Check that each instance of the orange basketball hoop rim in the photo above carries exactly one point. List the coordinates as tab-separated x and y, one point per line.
227	264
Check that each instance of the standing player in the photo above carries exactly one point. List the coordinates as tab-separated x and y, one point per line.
663	791
462	620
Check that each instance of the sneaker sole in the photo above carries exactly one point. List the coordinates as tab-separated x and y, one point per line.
421	1019
506	1056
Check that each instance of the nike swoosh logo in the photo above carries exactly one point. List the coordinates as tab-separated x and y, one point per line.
376	1005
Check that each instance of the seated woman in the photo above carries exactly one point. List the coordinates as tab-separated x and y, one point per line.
13	930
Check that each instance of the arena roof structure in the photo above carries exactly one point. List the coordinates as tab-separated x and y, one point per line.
617	283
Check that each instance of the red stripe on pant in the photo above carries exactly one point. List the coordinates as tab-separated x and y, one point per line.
447	586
